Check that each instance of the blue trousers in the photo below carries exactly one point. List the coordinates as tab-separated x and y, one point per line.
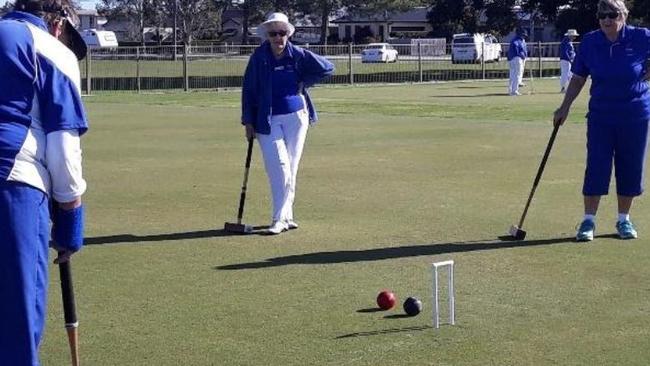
621	143
24	237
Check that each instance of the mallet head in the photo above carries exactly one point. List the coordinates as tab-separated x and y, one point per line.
238	228
517	233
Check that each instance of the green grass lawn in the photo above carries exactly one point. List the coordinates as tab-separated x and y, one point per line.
393	178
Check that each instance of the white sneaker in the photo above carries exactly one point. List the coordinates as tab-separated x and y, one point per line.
292	225
277	227
515	93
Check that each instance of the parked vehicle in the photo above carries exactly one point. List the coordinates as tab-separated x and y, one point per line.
469	48
379	52
100	39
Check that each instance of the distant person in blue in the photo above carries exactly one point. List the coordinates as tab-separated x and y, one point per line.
41	120
277	109
517	53
619	110
567	54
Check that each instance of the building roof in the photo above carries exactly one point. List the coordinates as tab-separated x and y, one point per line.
415	15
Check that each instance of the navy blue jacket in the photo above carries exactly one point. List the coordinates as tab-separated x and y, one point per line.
517	48
257	89
567	51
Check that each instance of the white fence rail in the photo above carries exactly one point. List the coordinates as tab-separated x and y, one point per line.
138	69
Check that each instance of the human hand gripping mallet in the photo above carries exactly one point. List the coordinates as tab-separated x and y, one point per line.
516	231
67	238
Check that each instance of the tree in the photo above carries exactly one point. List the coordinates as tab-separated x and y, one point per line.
128	9
640	12
199	16
454	16
7	7
323	9
577	14
253	13
500	19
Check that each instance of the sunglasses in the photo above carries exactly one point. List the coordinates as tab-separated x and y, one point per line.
281	33
611	15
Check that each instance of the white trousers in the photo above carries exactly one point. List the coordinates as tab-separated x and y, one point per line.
565	73
281	150
516	74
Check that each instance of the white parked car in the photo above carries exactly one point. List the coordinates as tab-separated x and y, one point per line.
98	38
468	48
379	52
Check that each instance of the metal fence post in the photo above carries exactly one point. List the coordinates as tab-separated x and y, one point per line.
186	78
137	68
89	55
350	73
539	58
483	60
420	61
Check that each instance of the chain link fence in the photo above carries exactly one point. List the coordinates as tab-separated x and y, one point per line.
161	68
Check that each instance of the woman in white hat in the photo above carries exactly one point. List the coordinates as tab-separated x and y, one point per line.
567	54
277	109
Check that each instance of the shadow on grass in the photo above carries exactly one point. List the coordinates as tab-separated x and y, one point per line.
347	256
369	310
397	316
385	331
523	93
473	95
130	238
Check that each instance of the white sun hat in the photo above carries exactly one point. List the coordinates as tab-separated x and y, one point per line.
275	18
571	33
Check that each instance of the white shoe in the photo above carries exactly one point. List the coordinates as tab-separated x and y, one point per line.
292	225
277	227
515	93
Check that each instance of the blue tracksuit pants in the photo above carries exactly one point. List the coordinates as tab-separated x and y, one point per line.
24	237
620	143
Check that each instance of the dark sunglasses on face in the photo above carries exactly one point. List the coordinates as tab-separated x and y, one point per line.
281	33
610	15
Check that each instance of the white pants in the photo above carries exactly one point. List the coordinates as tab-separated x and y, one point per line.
565	73
516	74
281	150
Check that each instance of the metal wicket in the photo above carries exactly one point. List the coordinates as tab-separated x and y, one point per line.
436	306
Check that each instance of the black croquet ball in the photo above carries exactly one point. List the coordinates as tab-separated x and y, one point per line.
412	306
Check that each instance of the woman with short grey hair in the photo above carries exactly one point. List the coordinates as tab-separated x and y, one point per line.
605	6
619	113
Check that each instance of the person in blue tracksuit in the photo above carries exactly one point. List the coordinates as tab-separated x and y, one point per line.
567	54
277	109
517	53
41	119
619	110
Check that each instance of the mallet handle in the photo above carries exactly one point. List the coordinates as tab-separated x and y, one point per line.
539	174
69	310
242	196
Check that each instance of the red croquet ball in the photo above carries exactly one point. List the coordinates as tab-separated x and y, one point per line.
386	300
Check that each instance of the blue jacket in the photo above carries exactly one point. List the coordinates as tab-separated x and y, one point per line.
517	48
257	89
567	52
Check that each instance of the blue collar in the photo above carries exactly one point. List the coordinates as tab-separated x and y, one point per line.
622	35
289	50
27	17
